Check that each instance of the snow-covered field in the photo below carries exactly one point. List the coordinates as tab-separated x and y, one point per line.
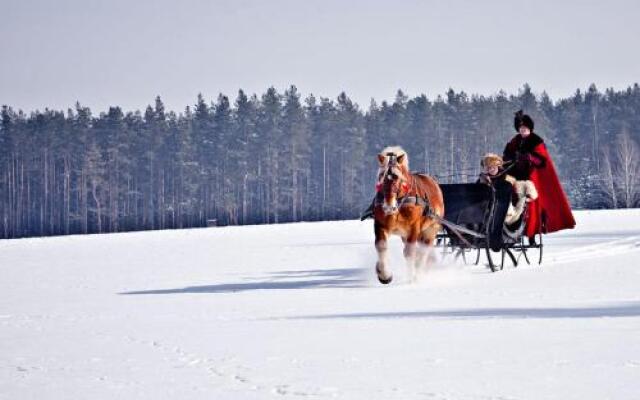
294	310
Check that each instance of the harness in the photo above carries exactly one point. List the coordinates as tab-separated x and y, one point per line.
406	199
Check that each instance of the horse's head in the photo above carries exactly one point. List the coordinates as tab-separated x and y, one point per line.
393	177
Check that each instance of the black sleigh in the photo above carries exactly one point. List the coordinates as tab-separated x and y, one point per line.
474	224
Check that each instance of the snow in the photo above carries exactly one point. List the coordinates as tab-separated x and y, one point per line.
291	311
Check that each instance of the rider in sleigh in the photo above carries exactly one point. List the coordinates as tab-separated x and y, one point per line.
524	191
530	161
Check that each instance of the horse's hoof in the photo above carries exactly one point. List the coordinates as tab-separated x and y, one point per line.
386	281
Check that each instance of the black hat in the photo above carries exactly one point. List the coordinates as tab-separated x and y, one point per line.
522	119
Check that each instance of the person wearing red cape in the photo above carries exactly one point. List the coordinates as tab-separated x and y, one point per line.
551	211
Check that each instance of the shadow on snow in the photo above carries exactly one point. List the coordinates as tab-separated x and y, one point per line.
629	309
307	279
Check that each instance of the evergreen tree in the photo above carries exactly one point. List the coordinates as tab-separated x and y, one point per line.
295	156
269	116
274	158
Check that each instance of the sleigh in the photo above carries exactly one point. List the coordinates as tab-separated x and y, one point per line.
474	224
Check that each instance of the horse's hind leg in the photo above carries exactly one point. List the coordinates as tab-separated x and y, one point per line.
425	255
422	255
411	255
428	241
384	276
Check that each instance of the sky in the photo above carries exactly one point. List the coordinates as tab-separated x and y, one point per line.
125	53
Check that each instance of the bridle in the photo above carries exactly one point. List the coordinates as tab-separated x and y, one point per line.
403	184
387	185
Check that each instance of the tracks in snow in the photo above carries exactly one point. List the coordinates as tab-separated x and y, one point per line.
605	249
227	370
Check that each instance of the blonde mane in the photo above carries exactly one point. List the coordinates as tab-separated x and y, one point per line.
397	151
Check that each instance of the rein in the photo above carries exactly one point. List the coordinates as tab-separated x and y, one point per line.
469	172
501	173
505	170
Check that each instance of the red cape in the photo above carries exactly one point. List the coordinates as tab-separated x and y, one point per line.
552	204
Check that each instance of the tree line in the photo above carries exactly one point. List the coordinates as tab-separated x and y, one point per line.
279	157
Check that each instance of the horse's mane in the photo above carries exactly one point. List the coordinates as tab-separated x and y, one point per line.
397	151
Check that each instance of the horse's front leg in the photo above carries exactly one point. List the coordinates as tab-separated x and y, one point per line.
382	270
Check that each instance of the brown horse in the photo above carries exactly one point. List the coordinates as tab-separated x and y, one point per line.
405	205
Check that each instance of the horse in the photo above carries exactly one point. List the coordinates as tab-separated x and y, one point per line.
409	205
